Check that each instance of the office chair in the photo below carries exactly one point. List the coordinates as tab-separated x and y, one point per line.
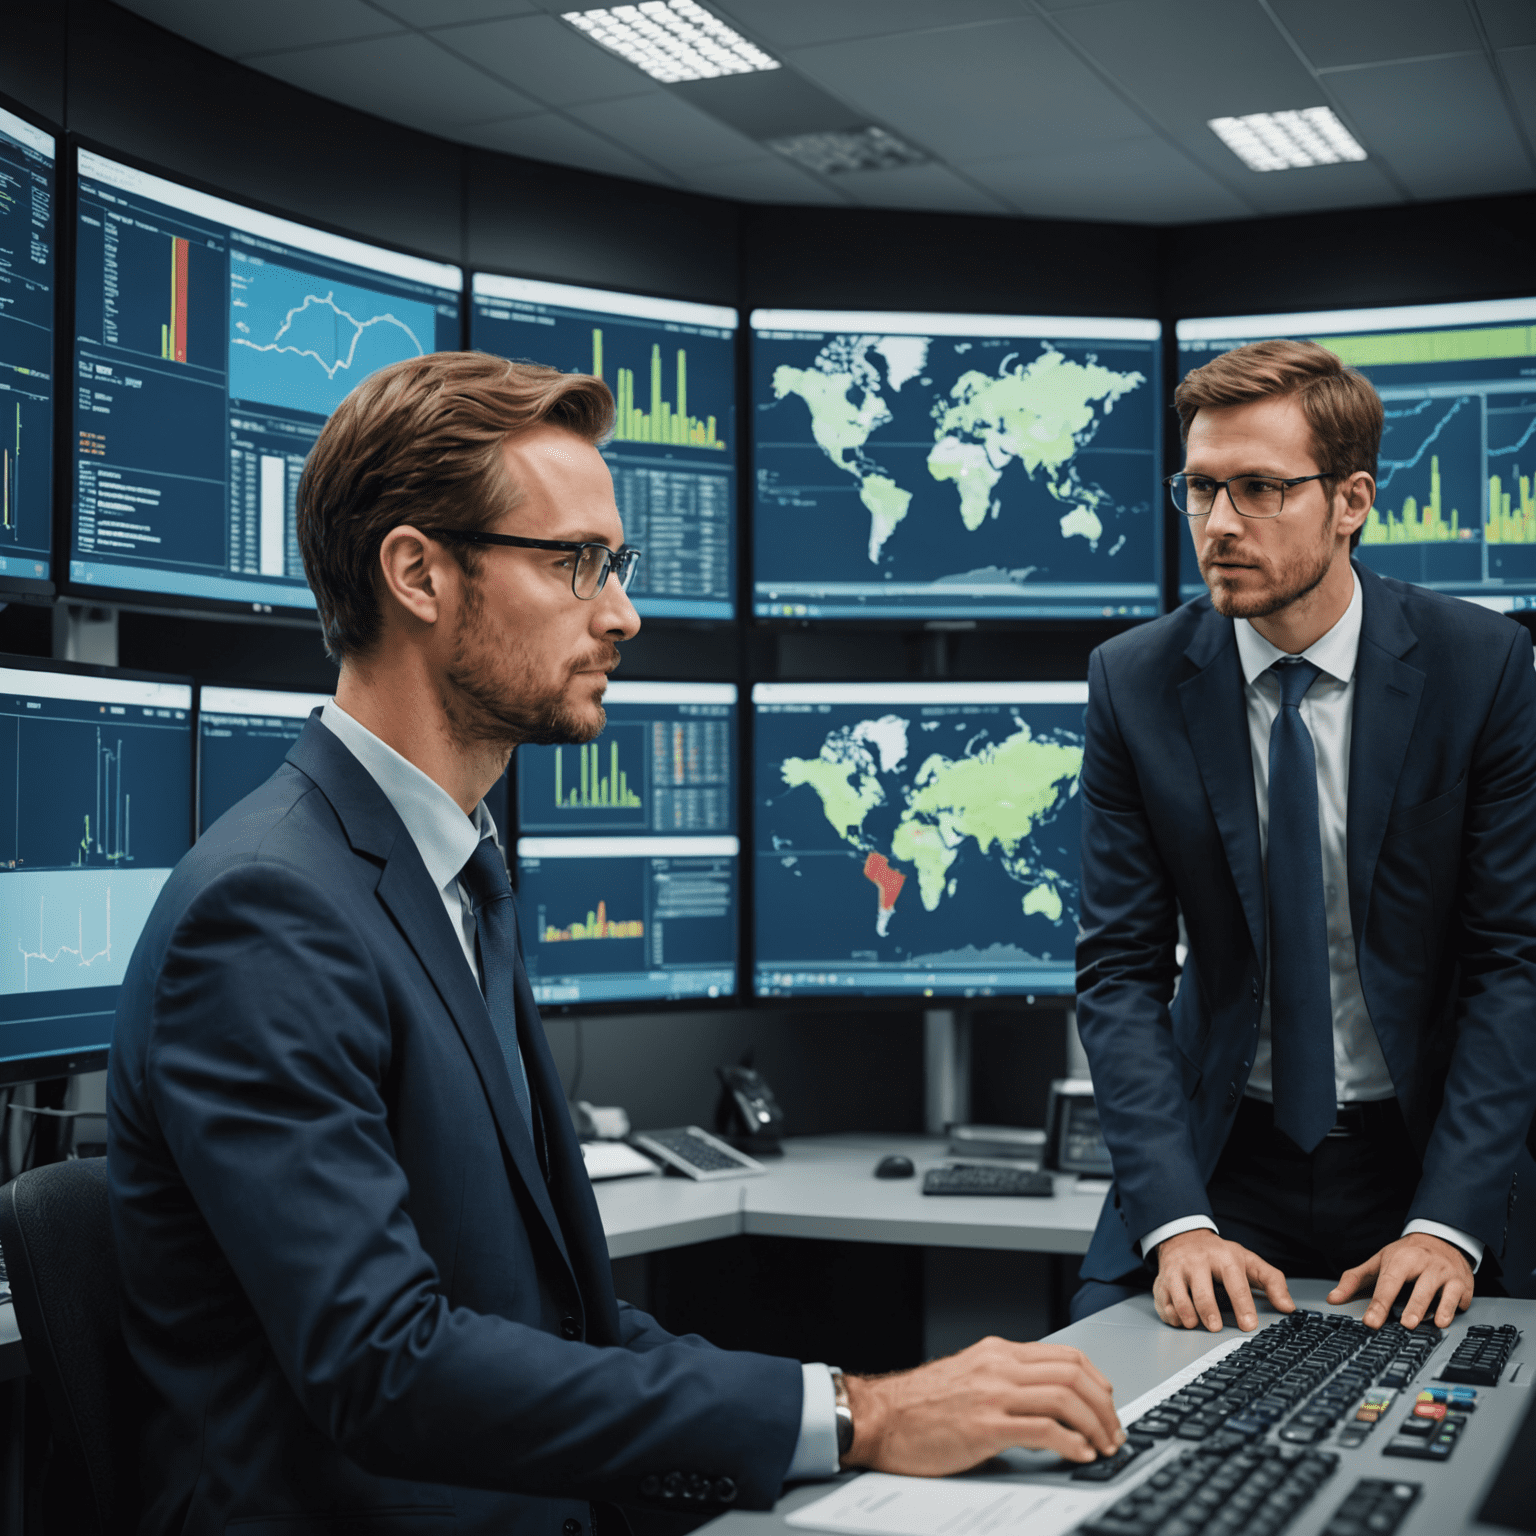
56	1233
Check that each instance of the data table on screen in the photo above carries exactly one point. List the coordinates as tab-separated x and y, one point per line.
27	199
953	467
243	735
916	838
671	366
1455	509
95	781
212	343
628	919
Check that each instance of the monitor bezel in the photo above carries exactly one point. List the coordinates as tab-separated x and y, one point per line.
36	1069
201	686
24	589
174	603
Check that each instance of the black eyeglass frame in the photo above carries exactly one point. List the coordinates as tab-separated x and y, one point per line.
1226	485
623	560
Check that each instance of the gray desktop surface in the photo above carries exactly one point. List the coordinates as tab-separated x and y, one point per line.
1136	1352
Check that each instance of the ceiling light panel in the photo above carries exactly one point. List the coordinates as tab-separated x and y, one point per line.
1287	141
856	149
672	40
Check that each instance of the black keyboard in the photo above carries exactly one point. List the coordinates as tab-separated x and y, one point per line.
1480	1358
1106	1467
986	1179
1373	1508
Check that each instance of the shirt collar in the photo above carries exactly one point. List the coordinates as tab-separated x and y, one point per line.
1335	653
444	836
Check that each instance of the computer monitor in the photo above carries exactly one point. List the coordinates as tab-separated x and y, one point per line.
627	858
966	792
243	735
96	770
1455	508
28	193
952	467
672	368
212	341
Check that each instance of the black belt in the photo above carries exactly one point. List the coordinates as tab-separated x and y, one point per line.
1361	1117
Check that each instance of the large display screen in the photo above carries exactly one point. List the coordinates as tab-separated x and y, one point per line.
672	368
96	776
27	196
1454	504
952	467
212	341
966	792
243	735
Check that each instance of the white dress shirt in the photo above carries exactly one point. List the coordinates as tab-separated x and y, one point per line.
1359	1068
445	838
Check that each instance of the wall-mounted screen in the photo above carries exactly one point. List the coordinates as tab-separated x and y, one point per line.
672	368
212	341
27	197
243	735
96	778
916	838
1454	503
944	467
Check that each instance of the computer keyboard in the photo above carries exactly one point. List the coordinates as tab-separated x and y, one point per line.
1374	1508
986	1179
1481	1356
698	1154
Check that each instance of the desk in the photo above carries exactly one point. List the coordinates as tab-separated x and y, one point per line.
824	1186
1136	1352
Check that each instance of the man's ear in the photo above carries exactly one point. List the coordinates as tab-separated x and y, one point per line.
1358	493
410	573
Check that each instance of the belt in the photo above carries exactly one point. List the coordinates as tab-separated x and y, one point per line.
1361	1117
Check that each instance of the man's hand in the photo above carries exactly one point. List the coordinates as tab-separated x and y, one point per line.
955	1413
1433	1263
1188	1268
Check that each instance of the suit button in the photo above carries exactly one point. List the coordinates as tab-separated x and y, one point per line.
570	1528
569	1330
650	1485
698	1486
1231	1094
725	1490
672	1485
1255	988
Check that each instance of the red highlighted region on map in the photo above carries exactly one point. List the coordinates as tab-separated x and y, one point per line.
888	882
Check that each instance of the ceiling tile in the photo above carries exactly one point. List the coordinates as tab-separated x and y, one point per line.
1316	188
670	131
764	179
406	79
1519	66
800	23
446	13
1510	23
1440	124
547	59
549	136
932	187
237	30
1334	32
1144	180
769	103
997	89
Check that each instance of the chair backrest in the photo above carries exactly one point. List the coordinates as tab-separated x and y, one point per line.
56	1232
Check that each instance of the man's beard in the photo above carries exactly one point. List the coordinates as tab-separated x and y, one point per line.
490	696
1300	575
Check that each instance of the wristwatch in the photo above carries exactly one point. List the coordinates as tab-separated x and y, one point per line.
844	1412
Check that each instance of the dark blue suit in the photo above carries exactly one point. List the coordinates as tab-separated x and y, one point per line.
1442	900
358	1288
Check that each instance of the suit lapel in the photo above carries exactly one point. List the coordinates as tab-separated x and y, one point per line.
1387	692
1216	718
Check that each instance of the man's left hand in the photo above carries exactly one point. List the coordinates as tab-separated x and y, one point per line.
1431	1262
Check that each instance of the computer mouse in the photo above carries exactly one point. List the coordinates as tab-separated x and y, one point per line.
894	1167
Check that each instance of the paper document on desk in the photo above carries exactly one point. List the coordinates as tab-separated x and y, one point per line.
879	1504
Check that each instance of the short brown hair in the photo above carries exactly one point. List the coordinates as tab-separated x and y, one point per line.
1340	404
420	442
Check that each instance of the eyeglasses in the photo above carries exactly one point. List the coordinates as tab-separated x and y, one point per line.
590	571
1250	495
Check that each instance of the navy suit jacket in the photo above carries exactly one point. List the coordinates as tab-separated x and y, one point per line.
361	1295
1442	900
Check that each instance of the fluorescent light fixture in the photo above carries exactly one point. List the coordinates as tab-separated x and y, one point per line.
848	149
1287	141
671	40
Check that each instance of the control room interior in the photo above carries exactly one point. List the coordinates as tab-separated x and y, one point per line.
940	163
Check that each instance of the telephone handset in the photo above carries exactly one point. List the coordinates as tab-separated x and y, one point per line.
747	1115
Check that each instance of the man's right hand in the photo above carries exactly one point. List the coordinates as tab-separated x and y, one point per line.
1189	1267
953	1414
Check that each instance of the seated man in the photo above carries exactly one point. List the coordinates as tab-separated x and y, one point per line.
363	1272
1331	777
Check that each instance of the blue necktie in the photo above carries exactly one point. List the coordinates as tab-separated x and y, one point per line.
1300	1006
490	893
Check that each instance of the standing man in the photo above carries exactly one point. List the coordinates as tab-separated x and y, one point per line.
1331	778
363	1274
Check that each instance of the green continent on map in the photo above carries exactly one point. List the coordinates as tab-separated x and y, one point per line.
887	504
916	842
839	426
969	467
1044	899
844	804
